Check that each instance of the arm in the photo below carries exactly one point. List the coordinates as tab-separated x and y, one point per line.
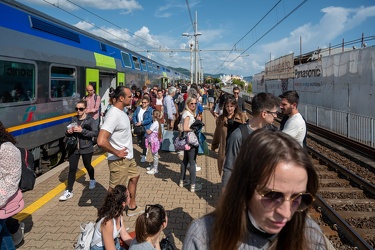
10	166
135	116
185	124
170	106
125	236
103	142
89	133
243	106
107	235
216	139
97	105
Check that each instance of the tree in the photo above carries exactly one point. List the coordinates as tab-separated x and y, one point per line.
239	83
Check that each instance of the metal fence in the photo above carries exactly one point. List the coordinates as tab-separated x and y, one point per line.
356	127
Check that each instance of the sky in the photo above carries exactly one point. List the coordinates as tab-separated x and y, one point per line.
234	37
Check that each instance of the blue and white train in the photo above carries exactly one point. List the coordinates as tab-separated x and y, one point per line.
45	65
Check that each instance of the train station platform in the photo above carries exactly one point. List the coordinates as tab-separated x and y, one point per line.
51	224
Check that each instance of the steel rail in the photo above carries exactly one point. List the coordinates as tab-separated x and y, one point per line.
342	227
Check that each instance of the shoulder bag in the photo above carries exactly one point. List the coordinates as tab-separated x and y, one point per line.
14	205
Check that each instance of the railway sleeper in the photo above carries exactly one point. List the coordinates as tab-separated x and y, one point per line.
334	183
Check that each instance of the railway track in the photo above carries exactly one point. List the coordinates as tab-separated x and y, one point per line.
345	204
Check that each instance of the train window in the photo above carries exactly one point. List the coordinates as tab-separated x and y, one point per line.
63	82
150	66
144	66
157	68
136	62
126	59
18	80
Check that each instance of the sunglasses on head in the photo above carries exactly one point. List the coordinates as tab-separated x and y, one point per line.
161	211
272	199
80	109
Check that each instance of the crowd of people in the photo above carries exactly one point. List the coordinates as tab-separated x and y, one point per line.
267	179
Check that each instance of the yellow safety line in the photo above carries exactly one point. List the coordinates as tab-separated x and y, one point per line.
51	194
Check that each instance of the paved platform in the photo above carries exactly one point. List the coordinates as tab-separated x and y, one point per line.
51	224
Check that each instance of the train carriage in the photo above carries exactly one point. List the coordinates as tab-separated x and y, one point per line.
45	65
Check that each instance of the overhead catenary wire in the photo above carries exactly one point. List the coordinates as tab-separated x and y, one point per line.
285	17
120	38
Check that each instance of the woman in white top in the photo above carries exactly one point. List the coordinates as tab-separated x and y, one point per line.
187	119
110	223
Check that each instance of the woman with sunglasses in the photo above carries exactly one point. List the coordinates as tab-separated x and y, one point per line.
148	228
266	202
84	128
190	153
109	224
143	117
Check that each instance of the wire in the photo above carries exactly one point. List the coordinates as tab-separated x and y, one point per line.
285	17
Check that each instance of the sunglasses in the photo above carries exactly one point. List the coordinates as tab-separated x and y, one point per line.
193	103
144	102
272	113
80	109
236	93
161	210
299	202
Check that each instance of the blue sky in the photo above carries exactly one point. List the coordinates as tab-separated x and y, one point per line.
231	42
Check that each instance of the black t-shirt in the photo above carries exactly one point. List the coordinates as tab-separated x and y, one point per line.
241	104
210	92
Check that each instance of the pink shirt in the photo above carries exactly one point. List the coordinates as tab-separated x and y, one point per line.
92	106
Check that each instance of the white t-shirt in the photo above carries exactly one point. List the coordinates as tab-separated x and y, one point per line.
154	126
118	124
186	114
140	114
159	101
295	126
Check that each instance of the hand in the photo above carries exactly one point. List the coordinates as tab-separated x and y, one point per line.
138	124
78	129
70	131
122	153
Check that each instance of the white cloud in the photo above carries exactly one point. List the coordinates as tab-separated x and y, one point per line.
125	6
173	7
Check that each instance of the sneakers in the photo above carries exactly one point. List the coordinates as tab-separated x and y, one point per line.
184	183
143	159
153	171
66	195
135	211
92	184
149	167
195	187
17	237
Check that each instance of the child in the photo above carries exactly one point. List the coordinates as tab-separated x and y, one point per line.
148	228
153	140
110	223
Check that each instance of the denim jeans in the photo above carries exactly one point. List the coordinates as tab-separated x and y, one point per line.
117	246
5	237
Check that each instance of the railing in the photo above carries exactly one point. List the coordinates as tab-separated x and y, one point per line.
356	127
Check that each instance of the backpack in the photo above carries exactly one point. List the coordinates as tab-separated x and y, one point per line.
28	175
84	240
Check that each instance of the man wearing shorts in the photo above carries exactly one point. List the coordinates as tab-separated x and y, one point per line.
115	137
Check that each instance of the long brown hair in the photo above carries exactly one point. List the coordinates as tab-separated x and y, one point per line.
5	136
262	151
113	204
156	114
150	222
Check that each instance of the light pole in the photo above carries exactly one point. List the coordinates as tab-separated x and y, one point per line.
196	33
201	70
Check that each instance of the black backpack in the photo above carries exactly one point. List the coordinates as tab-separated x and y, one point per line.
28	175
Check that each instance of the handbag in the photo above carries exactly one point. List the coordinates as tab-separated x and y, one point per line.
192	139
139	130
14	205
71	144
179	143
165	244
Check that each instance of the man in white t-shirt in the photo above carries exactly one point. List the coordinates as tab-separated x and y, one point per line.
293	123
115	137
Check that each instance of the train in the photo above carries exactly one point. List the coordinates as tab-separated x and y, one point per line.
45	66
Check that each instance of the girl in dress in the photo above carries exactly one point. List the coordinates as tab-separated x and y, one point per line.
153	139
